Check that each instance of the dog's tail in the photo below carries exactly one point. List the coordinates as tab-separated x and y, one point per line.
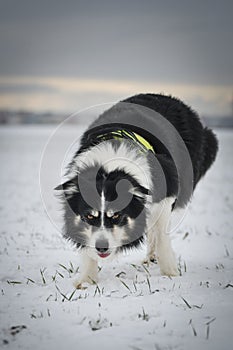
210	149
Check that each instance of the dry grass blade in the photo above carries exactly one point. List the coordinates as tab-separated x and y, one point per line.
208	327
60	274
30	280
14	282
185	267
148	282
212	320
97	289
71	267
193	329
208	331
227	251
63	295
136	267
124	284
147	271
42	276
135	287
120	274
144	316
64	267
185	301
72	294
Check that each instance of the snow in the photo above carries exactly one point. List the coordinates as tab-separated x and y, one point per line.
132	307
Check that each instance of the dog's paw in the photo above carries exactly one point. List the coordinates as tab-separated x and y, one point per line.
78	284
150	259
169	269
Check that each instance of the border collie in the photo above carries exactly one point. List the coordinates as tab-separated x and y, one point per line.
140	160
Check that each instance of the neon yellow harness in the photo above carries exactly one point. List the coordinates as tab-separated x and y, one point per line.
120	134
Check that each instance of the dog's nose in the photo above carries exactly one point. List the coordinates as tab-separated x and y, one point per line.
101	245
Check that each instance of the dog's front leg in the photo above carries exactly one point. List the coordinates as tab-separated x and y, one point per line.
88	271
150	256
164	251
151	235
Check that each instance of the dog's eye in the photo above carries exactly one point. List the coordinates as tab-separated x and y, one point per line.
116	216
89	217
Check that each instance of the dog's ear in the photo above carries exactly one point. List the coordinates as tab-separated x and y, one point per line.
68	186
140	191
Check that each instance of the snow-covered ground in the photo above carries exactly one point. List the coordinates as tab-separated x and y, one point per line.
132	307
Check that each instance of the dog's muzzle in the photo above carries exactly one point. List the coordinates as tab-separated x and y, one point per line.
102	247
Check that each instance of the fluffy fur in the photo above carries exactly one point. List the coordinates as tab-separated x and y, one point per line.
118	191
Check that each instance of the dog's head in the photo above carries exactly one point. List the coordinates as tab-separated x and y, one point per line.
105	211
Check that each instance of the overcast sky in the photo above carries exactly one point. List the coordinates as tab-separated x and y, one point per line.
66	55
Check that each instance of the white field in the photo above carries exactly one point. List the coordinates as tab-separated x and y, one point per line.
138	309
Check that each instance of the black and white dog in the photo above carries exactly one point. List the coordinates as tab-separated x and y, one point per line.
140	160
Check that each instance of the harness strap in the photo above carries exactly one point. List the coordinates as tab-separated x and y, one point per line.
126	134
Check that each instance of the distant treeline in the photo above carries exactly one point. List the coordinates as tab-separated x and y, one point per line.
25	117
22	117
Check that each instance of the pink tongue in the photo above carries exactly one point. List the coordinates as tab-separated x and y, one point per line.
104	255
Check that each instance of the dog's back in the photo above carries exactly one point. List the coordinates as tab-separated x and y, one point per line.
200	141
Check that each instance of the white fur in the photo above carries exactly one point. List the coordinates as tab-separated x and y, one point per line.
95	213
113	236
77	220
110	213
124	157
89	270
102	209
130	222
159	243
